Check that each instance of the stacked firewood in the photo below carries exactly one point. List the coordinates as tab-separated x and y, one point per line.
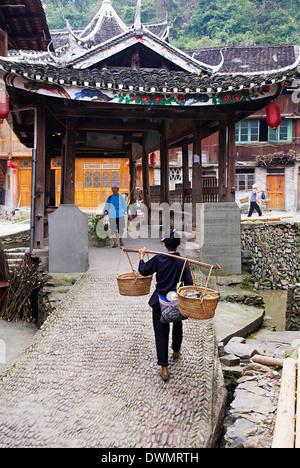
277	159
25	280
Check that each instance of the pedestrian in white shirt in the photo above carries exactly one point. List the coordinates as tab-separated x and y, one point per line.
254	202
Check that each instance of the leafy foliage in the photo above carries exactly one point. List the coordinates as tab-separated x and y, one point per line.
99	225
196	23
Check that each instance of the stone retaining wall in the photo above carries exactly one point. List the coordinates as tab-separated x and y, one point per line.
293	308
270	253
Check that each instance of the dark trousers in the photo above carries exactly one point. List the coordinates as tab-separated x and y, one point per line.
161	332
254	206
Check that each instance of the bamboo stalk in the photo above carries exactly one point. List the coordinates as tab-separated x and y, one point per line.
284	433
194	262
297	443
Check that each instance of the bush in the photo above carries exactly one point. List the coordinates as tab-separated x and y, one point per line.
95	229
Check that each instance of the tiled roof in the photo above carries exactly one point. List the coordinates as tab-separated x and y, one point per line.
247	59
145	80
60	37
105	26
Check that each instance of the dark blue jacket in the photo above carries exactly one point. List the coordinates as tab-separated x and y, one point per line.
168	271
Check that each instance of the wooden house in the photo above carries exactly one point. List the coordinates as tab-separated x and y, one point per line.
23	26
122	94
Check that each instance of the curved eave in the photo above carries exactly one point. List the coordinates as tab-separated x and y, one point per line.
155	88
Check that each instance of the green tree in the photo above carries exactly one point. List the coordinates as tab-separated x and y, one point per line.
196	23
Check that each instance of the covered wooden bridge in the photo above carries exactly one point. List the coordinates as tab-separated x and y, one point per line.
114	90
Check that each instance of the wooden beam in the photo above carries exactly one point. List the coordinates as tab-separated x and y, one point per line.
297	443
132	127
99	111
284	433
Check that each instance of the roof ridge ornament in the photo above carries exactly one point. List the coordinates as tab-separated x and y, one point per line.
106	10
138	16
217	68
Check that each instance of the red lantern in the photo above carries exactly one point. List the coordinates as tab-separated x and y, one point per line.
11	164
4	104
152	159
273	115
128	164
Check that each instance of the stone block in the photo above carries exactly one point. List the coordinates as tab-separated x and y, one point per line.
68	240
230	360
238	339
244	351
219	236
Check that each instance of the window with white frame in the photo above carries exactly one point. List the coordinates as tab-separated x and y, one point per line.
244	179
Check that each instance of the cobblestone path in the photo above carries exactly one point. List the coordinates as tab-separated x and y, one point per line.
90	378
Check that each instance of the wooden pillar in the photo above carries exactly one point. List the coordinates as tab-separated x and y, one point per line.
146	184
48	170
132	175
47	185
222	161
185	170
135	60
231	160
164	170
3	43
68	179
62	171
40	179
197	170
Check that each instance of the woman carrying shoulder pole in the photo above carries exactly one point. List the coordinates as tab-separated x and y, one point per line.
168	271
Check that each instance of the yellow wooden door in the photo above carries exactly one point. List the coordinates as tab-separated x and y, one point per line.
93	179
24	180
275	187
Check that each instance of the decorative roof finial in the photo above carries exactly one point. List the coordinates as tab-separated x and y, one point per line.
138	19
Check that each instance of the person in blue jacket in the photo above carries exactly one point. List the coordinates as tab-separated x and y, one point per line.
168	271
116	207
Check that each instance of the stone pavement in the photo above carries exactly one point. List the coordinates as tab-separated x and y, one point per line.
90	379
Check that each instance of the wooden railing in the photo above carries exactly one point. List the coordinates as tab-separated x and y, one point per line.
210	193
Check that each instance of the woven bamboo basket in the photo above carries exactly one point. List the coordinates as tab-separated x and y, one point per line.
203	307
198	308
267	201
134	284
244	200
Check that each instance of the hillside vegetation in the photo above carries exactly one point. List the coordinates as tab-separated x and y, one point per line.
196	23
